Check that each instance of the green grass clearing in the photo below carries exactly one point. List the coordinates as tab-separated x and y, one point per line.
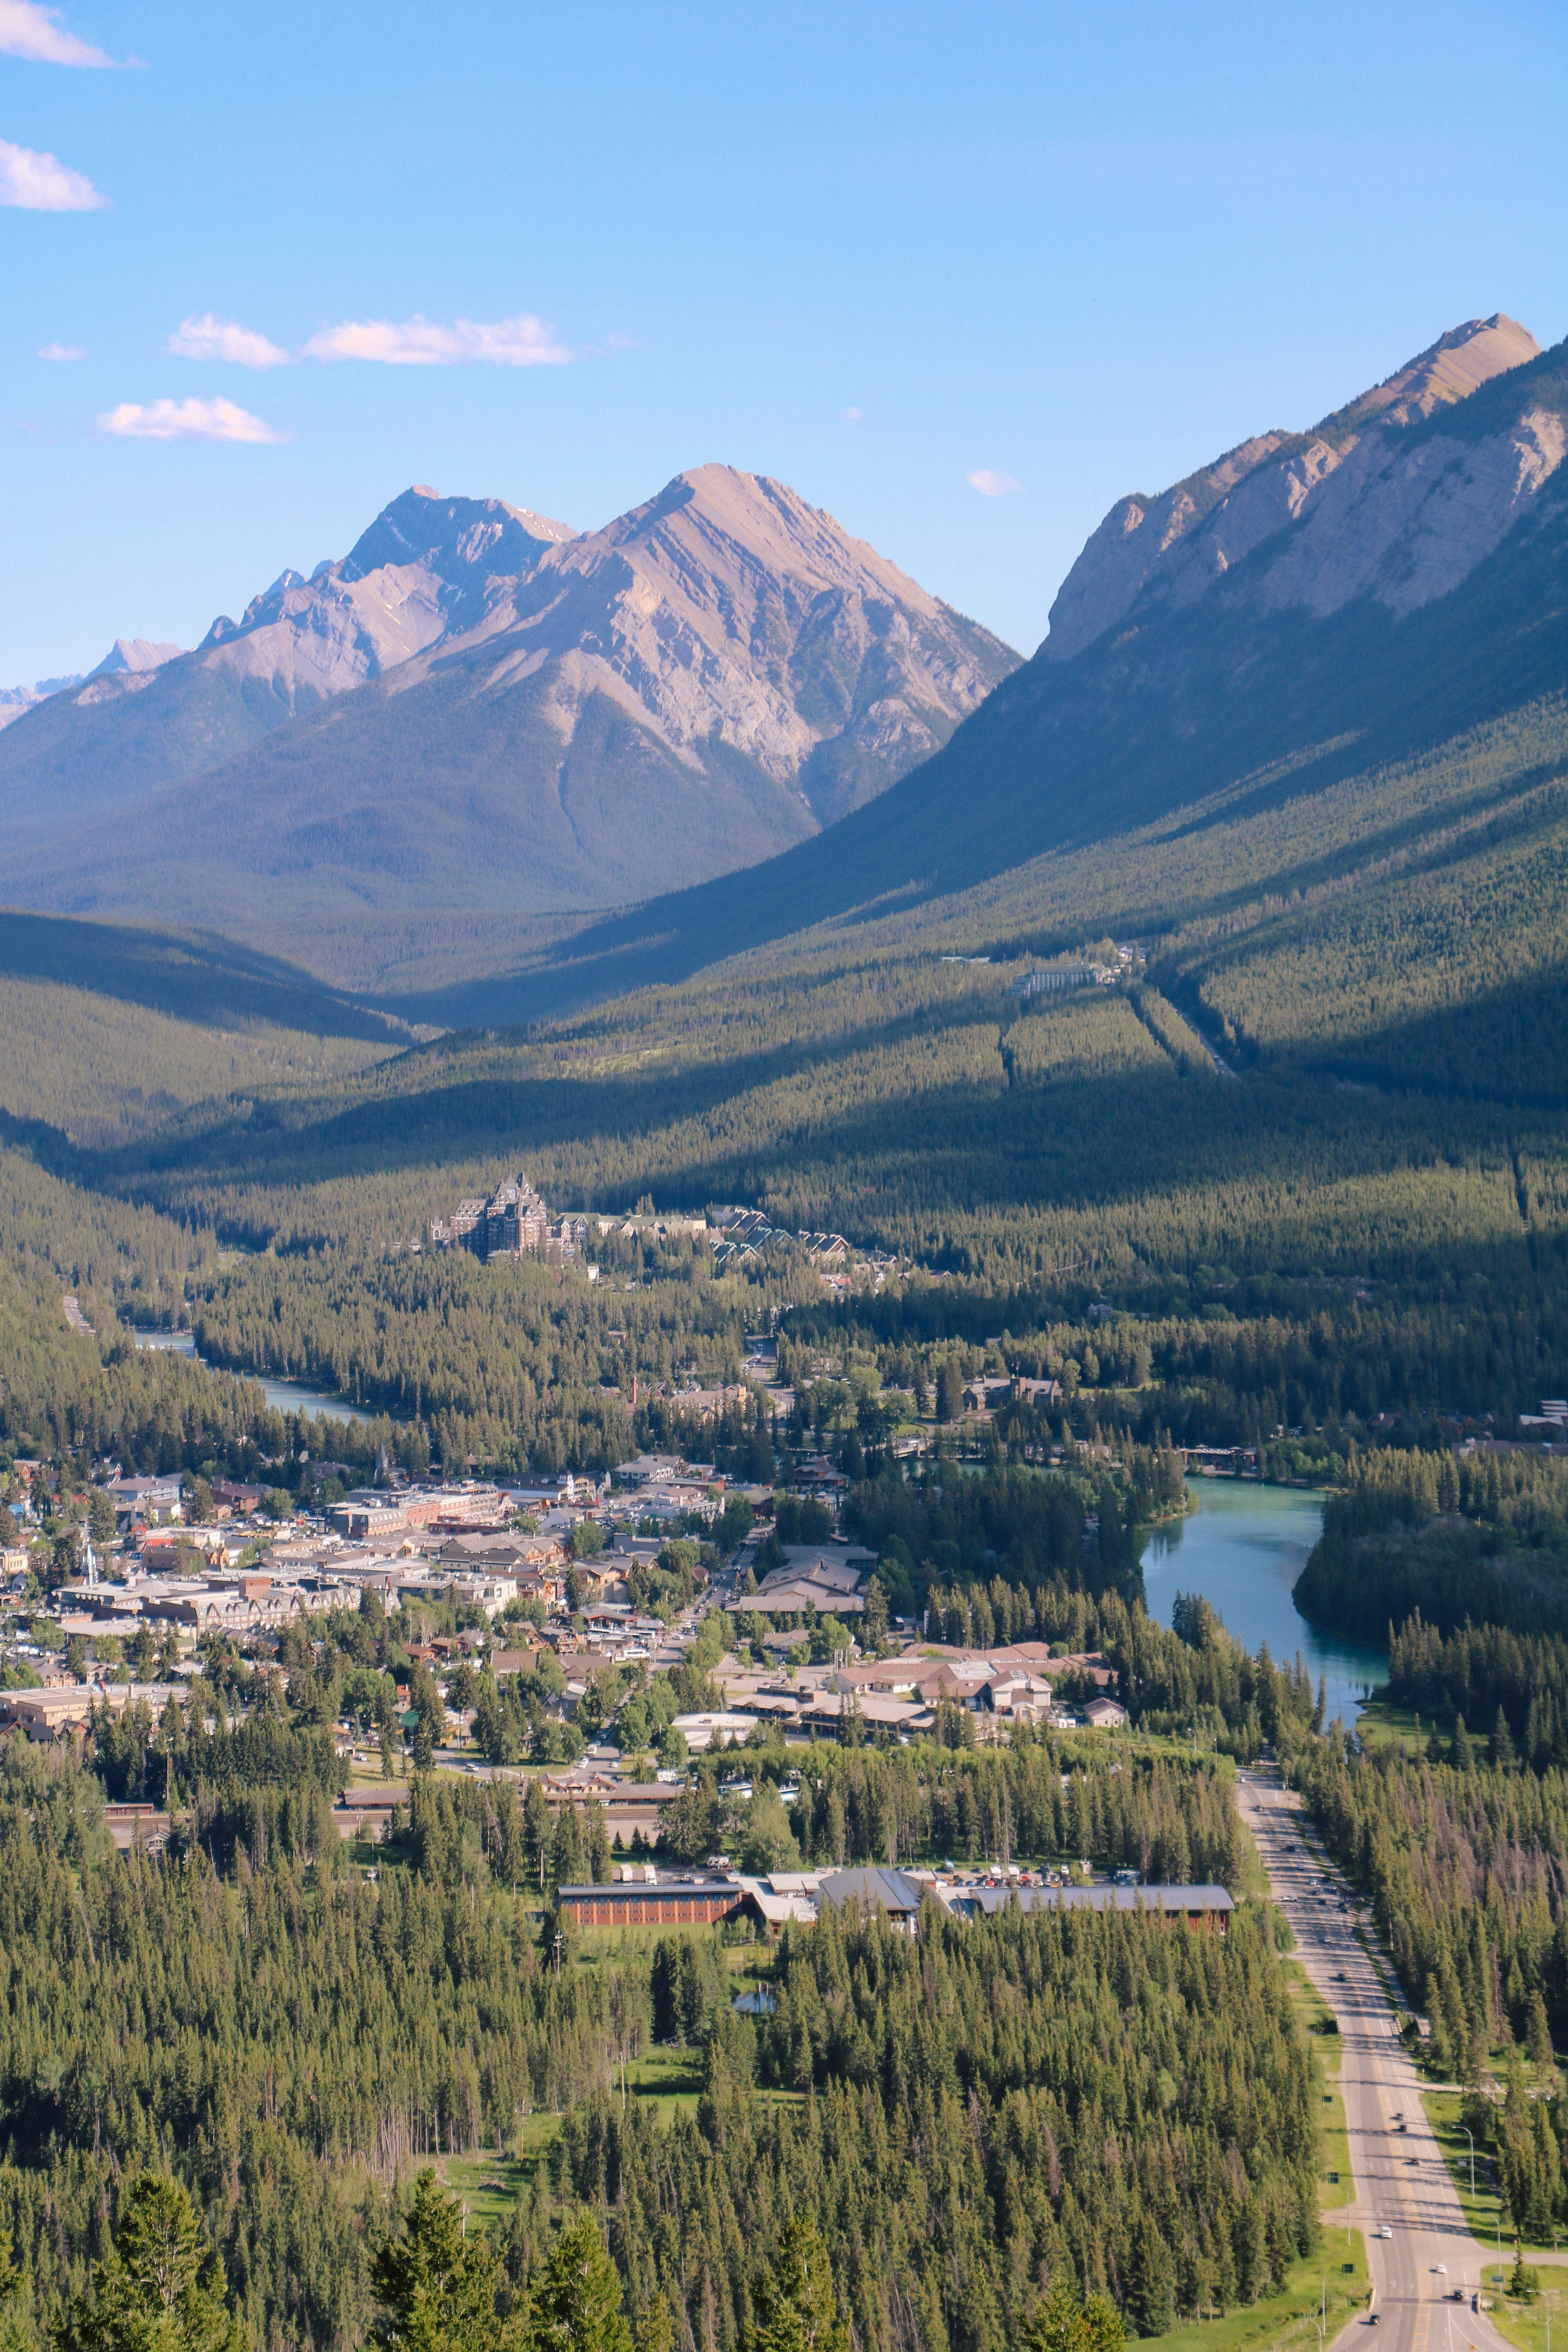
1283	2321
1333	2140
670	2079
1380	1725
489	2186
1525	2323
1483	2208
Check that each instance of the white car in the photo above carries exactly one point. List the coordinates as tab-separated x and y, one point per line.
1385	2231
1439	2270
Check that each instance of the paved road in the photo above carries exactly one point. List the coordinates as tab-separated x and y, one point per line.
1401	2180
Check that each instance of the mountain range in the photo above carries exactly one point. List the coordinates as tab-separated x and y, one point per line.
541	755
1303	612
480	708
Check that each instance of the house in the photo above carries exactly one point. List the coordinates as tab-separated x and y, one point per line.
513	1661
61	1711
366	1514
152	1500
1105	1714
143	1825
231	1500
701	1731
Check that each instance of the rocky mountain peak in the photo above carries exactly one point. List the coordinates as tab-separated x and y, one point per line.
1332	513
129	657
1453	367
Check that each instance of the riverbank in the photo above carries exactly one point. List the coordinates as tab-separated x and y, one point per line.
1242	1547
283	1396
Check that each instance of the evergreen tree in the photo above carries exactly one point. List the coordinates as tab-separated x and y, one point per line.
157	2292
577	2302
1538	2039
794	2305
436	2286
1147	2296
1064	2323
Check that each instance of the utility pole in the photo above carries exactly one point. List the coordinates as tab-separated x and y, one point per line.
1471	2137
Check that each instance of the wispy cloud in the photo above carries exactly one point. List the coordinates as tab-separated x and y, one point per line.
35	182
991	485
63	351
186	420
221	338
27	30
523	341
852	415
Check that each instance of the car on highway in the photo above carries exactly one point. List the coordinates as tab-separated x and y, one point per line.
1385	2231
1439	2270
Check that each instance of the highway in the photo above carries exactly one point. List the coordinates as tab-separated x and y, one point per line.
1402	2182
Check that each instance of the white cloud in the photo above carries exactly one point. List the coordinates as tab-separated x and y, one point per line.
524	341
991	485
27	30
852	415
220	338
63	351
186	420
34	182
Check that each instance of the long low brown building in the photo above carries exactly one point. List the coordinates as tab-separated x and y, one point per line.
650	1898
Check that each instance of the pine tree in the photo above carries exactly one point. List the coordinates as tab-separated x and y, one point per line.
536	1831
1147	2294
794	2305
157	2292
1538	2034
577	2302
438	2287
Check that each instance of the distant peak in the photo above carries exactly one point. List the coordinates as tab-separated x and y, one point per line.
423	490
134	654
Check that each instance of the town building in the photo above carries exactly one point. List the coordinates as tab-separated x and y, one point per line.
1208	1907
643	1896
823	1577
513	1223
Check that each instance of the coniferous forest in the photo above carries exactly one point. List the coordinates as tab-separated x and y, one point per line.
1287	1186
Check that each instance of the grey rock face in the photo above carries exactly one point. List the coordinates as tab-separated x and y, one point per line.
1359	506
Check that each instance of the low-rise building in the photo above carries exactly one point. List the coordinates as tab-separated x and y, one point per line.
643	1896
1208	1906
823	1577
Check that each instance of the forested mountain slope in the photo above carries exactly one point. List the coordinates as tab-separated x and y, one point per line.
1231	695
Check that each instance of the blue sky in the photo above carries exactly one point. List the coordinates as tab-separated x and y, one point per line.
874	250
